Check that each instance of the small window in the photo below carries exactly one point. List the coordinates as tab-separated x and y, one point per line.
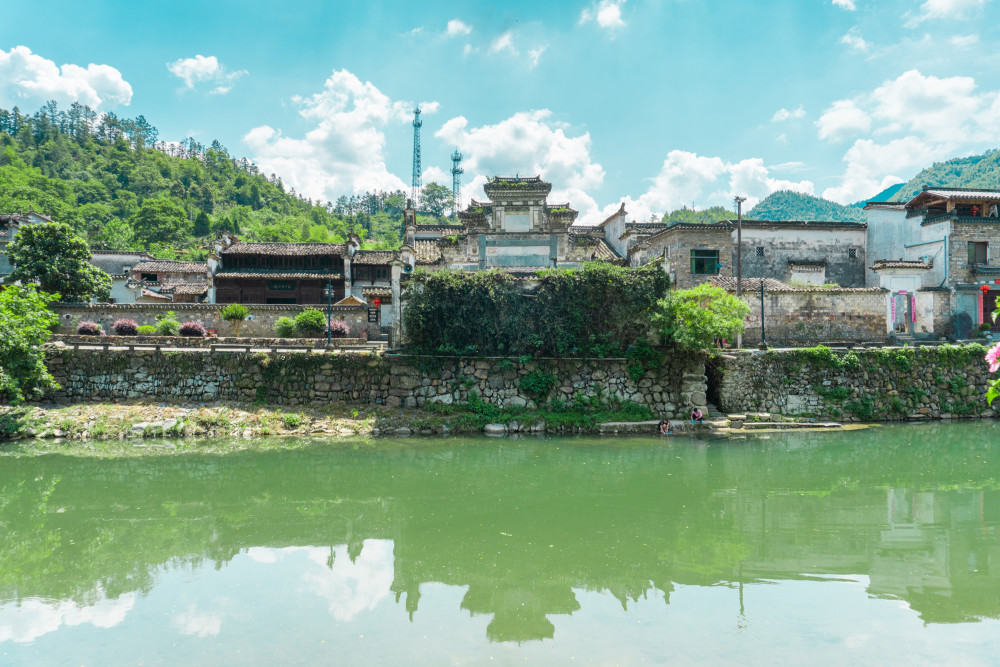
150	277
760	251
852	253
705	262
977	252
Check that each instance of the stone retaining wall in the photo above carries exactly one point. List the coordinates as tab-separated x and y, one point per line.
391	380
261	324
889	384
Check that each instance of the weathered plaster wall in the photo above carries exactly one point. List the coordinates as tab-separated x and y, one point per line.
892	384
679	243
813	316
393	380
797	242
262	323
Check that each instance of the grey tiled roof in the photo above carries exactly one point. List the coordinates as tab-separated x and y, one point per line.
285	249
170	266
280	274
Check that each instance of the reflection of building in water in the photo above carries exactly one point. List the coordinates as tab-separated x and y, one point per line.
933	549
523	527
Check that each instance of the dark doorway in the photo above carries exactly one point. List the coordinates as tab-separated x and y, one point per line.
989	305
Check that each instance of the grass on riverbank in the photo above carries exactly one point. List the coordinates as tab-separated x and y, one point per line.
121	421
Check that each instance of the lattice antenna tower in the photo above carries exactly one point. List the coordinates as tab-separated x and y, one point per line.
416	184
456	180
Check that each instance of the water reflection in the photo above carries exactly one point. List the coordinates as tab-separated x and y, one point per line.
527	530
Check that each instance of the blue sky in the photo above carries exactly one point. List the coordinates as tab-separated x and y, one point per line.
660	103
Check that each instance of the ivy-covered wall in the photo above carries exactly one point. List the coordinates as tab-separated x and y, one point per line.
886	384
668	386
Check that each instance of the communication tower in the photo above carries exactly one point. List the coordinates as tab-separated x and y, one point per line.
456	180
415	194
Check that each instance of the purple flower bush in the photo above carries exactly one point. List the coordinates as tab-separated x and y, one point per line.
125	327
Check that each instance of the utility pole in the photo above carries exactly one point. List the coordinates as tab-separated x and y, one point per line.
739	257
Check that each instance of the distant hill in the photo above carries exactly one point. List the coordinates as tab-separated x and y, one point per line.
789	205
885	195
976	171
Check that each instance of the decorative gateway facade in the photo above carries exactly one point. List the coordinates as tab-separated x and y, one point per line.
517	230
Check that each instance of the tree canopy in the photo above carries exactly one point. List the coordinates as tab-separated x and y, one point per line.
25	321
58	260
694	318
121	188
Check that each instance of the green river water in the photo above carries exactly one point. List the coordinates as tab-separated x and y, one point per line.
878	546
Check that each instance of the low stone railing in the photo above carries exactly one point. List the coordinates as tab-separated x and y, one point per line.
202	342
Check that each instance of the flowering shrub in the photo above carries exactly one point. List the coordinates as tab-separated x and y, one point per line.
339	329
993	359
192	330
89	329
125	327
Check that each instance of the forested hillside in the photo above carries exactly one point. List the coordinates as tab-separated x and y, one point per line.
122	189
705	216
976	171
788	205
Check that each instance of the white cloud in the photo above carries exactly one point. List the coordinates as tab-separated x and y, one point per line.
845	4
873	167
784	114
964	41
922	119
607	14
344	151
29	619
457	27
534	55
688	178
351	587
945	9
854	40
204	69
504	42
843	117
528	143
197	623
436	175
26	77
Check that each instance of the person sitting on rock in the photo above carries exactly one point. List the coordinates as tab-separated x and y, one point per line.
696	415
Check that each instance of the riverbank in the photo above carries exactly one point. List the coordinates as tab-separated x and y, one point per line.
123	420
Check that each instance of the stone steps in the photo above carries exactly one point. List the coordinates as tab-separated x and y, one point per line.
754	426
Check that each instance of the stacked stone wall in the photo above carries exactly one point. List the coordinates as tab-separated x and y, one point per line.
889	384
808	317
392	380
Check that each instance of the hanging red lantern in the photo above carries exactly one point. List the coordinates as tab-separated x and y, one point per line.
376	302
984	288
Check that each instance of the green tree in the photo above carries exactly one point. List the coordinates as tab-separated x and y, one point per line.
694	318
235	314
162	220
59	261
436	199
25	321
202	225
